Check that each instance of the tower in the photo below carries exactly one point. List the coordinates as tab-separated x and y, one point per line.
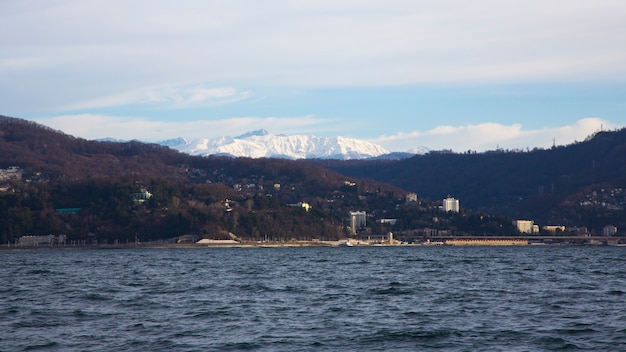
451	204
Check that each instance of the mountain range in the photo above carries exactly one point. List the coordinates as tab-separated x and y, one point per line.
262	144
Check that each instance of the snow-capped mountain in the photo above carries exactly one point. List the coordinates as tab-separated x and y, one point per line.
260	144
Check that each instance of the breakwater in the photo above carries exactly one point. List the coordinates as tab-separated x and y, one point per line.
486	242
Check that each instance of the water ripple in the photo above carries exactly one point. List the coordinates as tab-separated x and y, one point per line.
323	299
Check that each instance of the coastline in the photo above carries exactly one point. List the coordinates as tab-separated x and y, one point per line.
460	241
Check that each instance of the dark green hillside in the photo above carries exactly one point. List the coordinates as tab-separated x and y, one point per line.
545	185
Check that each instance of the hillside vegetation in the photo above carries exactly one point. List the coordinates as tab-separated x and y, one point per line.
581	184
106	192
52	183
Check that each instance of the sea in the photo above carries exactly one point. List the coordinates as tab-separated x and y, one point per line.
422	298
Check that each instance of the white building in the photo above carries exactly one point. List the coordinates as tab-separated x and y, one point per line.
609	230
411	197
34	240
451	204
357	220
554	228
142	196
387	221
526	226
303	205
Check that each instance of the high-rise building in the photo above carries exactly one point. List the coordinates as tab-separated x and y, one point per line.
357	220
451	204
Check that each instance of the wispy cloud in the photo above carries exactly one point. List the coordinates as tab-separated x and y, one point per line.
93	126
118	57
167	97
491	136
317	43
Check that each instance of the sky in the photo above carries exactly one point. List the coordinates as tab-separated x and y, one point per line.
441	74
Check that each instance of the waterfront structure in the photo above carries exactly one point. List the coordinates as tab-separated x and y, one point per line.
609	230
390	237
35	240
486	242
357	220
526	226
187	239
554	228
451	204
217	242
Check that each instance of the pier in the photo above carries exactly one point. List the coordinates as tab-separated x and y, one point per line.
528	240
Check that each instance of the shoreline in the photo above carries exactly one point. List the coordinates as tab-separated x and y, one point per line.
457	242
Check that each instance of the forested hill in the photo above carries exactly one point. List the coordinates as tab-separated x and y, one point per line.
53	183
562	184
36	148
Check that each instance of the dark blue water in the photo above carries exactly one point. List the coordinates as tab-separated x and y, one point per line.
315	299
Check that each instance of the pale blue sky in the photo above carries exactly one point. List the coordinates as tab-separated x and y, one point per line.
441	74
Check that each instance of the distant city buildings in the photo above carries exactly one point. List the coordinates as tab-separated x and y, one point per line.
554	228
357	220
303	205
37	240
451	204
411	197
10	173
141	197
526	226
609	230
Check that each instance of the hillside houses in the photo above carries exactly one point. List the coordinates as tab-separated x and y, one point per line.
11	173
612	199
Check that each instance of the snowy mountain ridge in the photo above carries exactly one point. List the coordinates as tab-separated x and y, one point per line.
262	144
